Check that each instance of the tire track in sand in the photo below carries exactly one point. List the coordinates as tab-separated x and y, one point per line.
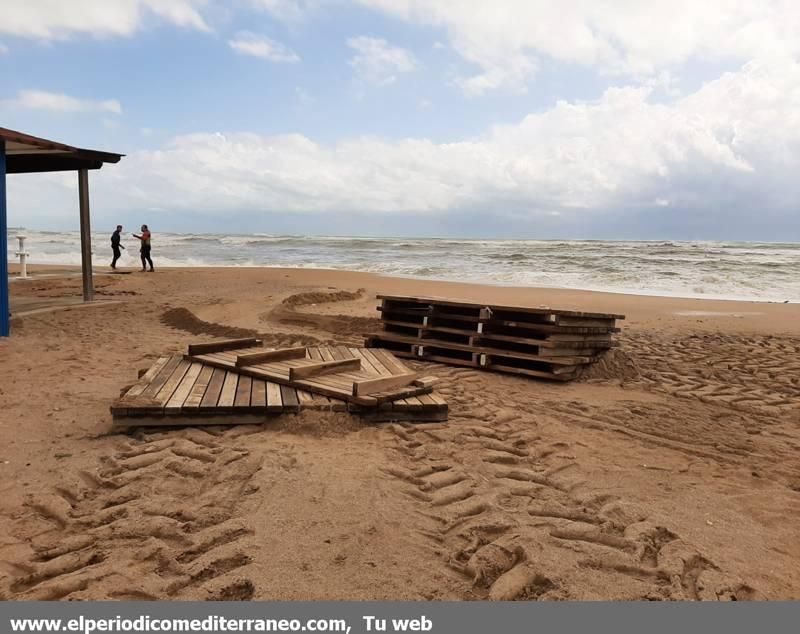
158	518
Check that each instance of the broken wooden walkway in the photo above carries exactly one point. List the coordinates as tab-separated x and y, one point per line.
183	391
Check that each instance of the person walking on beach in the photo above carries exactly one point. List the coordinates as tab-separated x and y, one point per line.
145	248
116	246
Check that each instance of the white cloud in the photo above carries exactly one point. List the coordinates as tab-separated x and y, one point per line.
730	147
377	62
247	43
56	102
55	19
3	49
506	39
289	10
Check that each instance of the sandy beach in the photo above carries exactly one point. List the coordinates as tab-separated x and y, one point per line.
670	471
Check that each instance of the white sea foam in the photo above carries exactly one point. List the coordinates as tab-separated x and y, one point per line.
714	270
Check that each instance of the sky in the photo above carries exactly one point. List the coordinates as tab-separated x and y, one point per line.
630	119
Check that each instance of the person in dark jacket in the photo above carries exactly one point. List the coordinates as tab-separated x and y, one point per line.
116	246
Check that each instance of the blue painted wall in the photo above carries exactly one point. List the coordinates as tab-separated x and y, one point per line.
4	325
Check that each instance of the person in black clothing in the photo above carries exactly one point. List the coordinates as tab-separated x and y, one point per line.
116	246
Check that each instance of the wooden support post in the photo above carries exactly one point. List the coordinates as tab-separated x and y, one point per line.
86	235
5	327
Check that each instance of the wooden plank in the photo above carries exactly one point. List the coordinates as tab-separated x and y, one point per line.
243	389
158	382
228	393
211	397
175	403
251	358
390	362
376	362
219	346
171	384
426	381
448	345
258	395
195	420
199	388
274	398
524	371
454	303
290	401
383	383
366	365
323	367
147	377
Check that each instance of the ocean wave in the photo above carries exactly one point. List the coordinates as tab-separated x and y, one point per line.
741	270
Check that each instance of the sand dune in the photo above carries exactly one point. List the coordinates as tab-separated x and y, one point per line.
670	471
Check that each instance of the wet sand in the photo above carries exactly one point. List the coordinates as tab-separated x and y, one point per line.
671	471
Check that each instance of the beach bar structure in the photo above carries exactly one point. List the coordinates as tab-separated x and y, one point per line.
25	154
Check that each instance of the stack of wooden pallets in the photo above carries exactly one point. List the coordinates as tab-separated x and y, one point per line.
237	381
539	342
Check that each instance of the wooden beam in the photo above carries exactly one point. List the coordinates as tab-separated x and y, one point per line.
323	367
426	381
221	346
381	384
86	235
268	356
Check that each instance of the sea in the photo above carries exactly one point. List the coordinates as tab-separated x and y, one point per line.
760	271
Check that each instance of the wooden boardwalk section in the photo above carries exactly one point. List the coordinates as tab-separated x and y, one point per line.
354	375
181	391
538	342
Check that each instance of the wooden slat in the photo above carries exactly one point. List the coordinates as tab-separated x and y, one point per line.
158	382
376	362
147	377
219	346
383	383
258	395
454	303
366	364
171	384
390	361
323	367
274	398
290	400
426	381
242	398
199	388
252	358
175	403
228	394
211	397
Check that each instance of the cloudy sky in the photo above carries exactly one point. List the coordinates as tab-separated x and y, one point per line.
512	118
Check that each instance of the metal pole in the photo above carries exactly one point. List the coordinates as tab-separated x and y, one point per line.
5	326
86	235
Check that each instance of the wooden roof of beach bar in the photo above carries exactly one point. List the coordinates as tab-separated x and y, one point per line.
22	153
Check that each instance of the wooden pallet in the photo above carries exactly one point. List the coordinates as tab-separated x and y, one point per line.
176	391
540	342
355	375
